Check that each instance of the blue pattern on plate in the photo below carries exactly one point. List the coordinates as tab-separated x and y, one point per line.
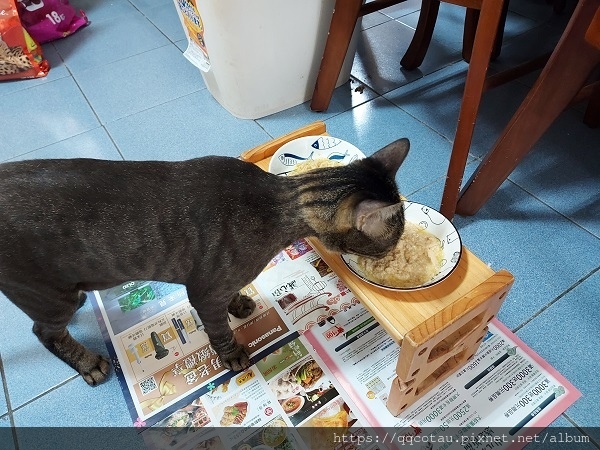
289	159
338	156
325	142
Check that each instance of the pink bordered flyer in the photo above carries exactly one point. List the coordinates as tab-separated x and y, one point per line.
504	394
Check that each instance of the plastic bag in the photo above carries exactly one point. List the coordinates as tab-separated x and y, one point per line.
20	55
47	20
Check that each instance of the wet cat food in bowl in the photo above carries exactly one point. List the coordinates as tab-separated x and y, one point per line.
312	148
428	251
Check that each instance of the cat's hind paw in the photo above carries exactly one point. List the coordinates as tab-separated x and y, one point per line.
96	372
236	360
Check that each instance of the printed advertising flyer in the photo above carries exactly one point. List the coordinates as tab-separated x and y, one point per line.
503	389
322	371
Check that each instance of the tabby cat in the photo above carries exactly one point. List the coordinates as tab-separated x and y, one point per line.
212	224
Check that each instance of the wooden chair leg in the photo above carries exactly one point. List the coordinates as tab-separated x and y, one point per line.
565	73
592	112
558	5
343	21
417	49
471	19
489	19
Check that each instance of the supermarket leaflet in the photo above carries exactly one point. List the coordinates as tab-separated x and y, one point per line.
159	348
505	389
283	401
158	345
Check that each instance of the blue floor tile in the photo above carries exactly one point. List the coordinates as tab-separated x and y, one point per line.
42	115
106	10
431	194
402	9
92	144
522	48
125	87
563	170
145	5
110	40
80	438
98	406
378	54
561	429
344	98
567	335
541	11
191	126
449	25
448	29
436	100
447	38
182	44
541	248
374	19
165	18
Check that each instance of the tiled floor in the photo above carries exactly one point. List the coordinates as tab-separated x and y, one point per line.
120	89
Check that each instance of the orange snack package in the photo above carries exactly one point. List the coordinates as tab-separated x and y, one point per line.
20	55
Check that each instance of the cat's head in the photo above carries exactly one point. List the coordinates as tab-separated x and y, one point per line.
361	211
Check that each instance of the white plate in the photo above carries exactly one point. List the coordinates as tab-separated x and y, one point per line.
310	148
436	224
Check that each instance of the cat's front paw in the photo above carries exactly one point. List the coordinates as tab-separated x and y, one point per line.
241	306
96	371
237	359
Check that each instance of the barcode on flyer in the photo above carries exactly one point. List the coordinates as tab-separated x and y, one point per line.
148	385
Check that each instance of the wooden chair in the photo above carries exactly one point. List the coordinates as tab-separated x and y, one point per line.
561	82
482	41
484	19
484	26
417	49
345	16
343	21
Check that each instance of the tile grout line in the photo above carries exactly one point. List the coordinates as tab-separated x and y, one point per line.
49	145
262	128
556	299
552	208
102	125
94	67
47	391
581	429
113	142
11	418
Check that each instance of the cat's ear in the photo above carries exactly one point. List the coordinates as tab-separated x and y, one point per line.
372	217
392	155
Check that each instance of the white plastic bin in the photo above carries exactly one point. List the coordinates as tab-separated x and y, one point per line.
259	57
